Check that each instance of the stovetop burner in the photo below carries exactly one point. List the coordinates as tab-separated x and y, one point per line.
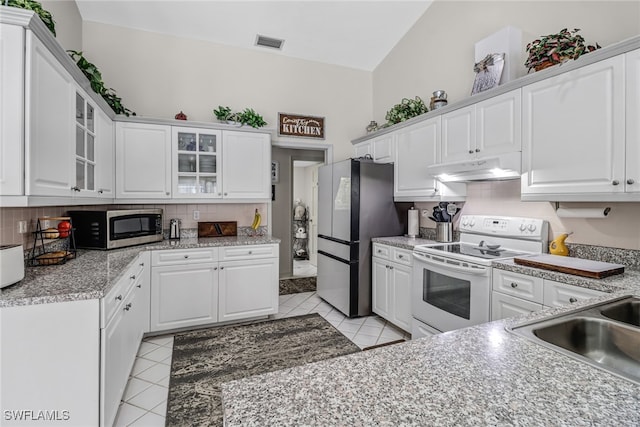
476	251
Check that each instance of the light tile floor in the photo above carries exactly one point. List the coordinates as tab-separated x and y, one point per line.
145	398
304	268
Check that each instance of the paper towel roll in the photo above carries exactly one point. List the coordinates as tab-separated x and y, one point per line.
583	212
413	223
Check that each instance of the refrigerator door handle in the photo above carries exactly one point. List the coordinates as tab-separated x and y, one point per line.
333	239
328	255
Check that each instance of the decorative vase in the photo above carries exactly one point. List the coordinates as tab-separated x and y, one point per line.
372	127
544	65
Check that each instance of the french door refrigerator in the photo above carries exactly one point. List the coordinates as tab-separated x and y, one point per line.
355	203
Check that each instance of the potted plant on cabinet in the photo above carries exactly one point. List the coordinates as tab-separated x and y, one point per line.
35	6
556	48
407	109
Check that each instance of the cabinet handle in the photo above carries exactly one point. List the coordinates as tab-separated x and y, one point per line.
119	298
127	307
572	300
400	256
100	191
167	193
514	285
470	151
219	194
250	252
139	285
75	188
133	277
477	150
226	194
615	182
630	181
215	268
221	268
186	256
142	264
390	267
379	251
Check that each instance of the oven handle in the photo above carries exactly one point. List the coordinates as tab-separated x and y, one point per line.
476	270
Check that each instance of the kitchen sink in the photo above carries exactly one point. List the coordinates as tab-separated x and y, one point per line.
606	336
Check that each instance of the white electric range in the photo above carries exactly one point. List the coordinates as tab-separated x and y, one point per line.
451	286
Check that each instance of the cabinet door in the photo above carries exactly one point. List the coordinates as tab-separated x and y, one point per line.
498	124
632	175
85	146
143	161
459	135
558	294
246	165
417	147
49	127
573	131
196	163
401	296
248	289
380	294
504	306
105	152
383	150
363	149
11	110
183	296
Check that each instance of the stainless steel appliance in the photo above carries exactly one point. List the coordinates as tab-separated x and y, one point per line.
11	264
113	229
452	281
355	203
174	228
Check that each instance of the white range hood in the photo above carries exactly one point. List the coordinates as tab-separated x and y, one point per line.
492	168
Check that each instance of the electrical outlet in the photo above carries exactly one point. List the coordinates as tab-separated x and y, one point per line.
22	227
196	215
45	224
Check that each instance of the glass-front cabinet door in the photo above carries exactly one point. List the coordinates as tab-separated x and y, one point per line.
196	163
85	145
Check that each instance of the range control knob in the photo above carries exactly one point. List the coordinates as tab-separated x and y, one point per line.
465	222
522	227
531	227
472	222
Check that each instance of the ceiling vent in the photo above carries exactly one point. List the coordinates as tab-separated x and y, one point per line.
269	42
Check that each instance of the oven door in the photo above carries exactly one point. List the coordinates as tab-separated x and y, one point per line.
449	294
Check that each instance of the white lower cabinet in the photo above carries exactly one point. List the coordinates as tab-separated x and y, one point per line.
391	285
516	294
246	289
195	287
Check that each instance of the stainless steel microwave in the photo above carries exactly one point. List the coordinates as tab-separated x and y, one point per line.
113	229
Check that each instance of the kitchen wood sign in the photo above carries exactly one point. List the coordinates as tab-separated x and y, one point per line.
302	126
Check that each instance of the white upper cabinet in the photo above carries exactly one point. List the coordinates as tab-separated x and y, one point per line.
105	153
487	128
196	158
143	161
11	110
246	165
49	124
380	149
632	147
574	134
417	146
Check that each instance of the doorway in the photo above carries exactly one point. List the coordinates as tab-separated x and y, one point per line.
284	224
305	217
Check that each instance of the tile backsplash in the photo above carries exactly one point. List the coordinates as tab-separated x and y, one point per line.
241	212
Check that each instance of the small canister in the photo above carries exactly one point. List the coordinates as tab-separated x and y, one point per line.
444	232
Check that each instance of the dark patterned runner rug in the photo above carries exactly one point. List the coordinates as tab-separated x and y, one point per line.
297	285
203	360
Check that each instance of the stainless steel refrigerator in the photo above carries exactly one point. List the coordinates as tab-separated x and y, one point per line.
355	203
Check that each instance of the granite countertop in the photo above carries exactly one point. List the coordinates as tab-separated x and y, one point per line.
403	242
92	273
482	375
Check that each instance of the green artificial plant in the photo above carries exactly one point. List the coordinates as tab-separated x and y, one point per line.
556	48
35	6
246	117
407	109
95	78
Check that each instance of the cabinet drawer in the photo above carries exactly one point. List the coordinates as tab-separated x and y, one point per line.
248	252
557	294
401	256
184	256
381	251
115	297
505	306
519	285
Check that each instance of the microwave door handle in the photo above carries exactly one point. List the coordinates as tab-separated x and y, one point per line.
480	271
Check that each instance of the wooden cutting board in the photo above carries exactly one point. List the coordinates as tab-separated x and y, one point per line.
569	265
217	229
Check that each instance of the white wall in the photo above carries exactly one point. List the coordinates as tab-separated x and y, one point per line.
68	21
158	75
438	52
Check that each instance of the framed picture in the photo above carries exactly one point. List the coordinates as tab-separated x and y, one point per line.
275	172
488	72
300	126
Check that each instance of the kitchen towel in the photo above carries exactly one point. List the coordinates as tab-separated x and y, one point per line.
413	223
